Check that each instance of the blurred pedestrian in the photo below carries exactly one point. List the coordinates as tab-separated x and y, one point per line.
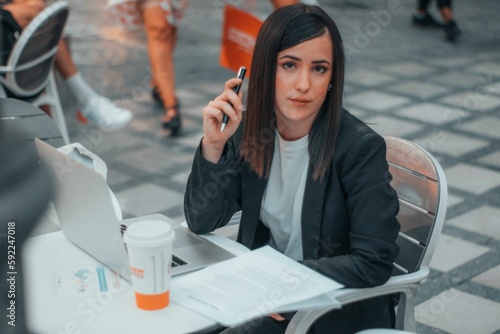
93	107
159	18
423	18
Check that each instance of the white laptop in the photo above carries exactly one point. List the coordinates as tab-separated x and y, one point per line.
85	210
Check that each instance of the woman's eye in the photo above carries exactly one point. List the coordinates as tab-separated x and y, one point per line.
320	69
288	65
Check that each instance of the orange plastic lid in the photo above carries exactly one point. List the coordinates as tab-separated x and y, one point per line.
152	302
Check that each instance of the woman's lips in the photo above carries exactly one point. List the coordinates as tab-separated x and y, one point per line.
300	101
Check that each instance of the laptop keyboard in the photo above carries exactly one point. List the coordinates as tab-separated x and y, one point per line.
176	261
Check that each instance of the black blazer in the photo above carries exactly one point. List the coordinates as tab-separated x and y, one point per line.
349	220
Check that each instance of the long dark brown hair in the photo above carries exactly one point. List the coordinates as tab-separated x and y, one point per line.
283	29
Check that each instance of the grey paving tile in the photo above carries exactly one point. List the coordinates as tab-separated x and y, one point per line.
142	106
493	88
190	126
208	88
104	80
182	177
359	113
149	124
141	94
491	159
433	113
452	200
111	54
391	126
369	78
473	179
452	252
484	220
148	198
408	69
488	126
378	101
152	160
449	143
195	110
115	34
137	106
487	68
418	89
458	312
457	79
473	101
192	140
489	278
103	143
452	62
190	96
115	177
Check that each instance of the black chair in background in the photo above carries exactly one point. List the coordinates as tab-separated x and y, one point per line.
28	74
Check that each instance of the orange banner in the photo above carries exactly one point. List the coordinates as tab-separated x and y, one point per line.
239	33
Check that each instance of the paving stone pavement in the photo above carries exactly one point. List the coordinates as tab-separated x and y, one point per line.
403	80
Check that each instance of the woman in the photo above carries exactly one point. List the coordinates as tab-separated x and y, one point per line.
160	19
311	180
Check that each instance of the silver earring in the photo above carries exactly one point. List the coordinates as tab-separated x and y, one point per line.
329	87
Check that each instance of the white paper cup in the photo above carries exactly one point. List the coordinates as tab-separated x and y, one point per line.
149	245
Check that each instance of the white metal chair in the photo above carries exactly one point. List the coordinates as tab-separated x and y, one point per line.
28	74
421	186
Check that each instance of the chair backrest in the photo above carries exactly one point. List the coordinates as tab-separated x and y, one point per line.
421	186
33	55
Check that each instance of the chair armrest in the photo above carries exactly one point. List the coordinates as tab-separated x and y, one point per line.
407	284
6	69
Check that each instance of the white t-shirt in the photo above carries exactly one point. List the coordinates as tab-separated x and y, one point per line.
281	207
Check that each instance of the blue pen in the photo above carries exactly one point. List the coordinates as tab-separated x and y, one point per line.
241	75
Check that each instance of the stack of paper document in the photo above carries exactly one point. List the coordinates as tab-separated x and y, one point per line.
253	285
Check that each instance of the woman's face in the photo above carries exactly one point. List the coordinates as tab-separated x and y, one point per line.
303	74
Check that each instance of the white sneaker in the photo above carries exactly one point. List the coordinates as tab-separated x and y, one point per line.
103	112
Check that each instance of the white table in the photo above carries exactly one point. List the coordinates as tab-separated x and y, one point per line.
44	255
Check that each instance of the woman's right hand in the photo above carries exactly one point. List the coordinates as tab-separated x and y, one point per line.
227	103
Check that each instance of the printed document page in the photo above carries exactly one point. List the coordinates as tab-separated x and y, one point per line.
253	285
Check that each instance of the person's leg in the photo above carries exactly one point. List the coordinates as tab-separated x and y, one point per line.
24	11
94	107
64	62
422	6
444	7
282	3
421	17
451	29
162	37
